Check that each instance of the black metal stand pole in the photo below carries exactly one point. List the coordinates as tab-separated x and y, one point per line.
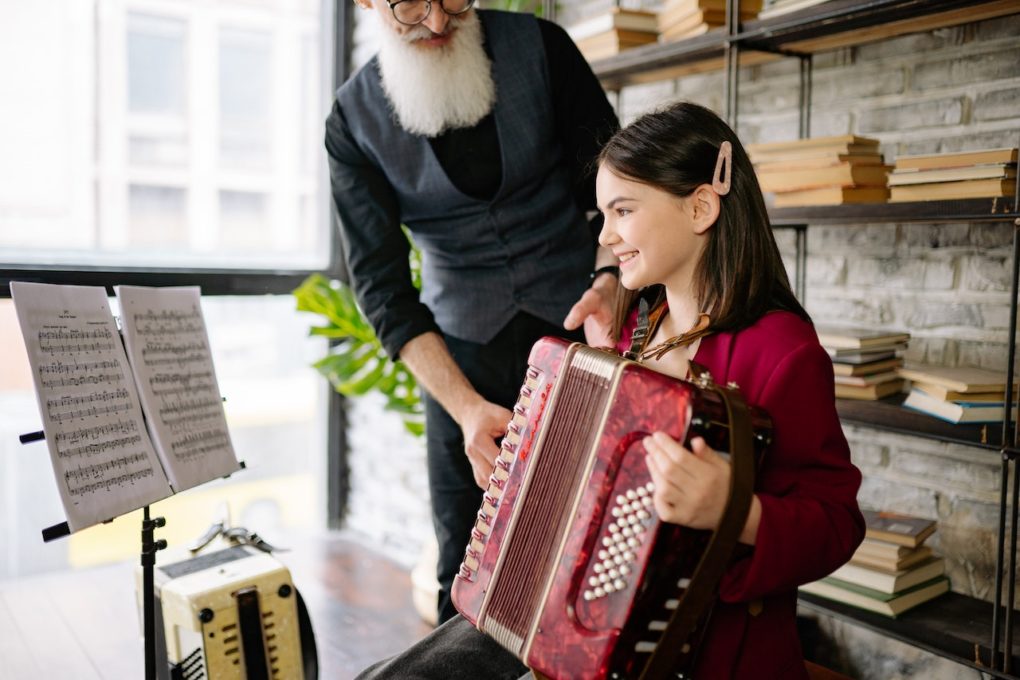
149	548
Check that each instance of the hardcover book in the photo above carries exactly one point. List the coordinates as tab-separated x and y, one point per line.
844	175
946	191
894	527
876	601
956	412
891	583
866	368
958	159
869	392
859	338
832	196
886	561
963	379
902	177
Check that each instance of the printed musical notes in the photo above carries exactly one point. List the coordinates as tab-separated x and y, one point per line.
166	341
102	457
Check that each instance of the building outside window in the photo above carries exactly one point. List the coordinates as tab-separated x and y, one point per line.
177	134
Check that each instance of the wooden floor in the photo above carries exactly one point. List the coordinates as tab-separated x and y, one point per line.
85	624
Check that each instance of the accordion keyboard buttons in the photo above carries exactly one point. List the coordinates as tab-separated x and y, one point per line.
620	543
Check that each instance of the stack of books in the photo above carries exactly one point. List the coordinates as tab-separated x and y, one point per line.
949	176
957	395
864	361
822	171
613	31
891	571
687	18
775	8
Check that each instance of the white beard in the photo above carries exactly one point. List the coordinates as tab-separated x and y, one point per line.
431	90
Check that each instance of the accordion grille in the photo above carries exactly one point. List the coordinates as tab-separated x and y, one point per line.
544	508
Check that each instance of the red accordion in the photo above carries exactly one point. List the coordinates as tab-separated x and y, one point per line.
569	567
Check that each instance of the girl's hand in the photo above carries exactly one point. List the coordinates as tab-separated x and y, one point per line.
690	485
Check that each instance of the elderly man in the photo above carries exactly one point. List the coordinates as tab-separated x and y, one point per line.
477	130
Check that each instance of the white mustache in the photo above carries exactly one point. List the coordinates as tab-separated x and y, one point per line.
423	32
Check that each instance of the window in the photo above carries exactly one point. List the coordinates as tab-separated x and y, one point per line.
164	133
180	134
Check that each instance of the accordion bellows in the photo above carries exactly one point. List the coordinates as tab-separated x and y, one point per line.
568	566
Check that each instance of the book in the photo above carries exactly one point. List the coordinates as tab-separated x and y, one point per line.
832	196
781	7
860	355
674	14
615	18
940	392
821	161
612	42
93	389
843	175
957	160
869	392
848	337
895	582
946	191
956	412
866	368
751	7
963	379
864	380
888	604
894	527
679	32
834	143
900	177
889	562
694	24
829	153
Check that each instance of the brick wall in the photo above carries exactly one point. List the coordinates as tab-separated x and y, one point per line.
948	284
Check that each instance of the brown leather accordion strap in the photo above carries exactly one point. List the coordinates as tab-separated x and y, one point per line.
669	654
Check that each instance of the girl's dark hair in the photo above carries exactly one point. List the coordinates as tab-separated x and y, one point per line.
741	275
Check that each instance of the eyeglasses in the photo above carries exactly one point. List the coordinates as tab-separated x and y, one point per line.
413	12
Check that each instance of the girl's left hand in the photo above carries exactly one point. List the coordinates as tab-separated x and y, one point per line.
690	485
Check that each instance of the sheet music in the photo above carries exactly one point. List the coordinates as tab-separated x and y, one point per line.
166	341
102	457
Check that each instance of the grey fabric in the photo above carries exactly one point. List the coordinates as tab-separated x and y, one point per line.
530	248
453	651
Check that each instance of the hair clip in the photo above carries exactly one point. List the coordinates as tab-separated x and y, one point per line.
720	186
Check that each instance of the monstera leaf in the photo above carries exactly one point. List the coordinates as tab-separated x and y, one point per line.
356	363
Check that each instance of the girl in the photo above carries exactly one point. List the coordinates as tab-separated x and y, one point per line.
686	219
701	280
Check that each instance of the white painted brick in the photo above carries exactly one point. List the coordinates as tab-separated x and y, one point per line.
983	354
966	69
924	314
826	270
935	235
987	273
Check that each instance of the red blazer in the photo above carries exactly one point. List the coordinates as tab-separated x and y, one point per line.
810	522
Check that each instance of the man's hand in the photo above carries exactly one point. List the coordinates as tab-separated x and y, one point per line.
482	423
595	311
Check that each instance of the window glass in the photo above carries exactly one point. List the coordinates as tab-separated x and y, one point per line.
146	132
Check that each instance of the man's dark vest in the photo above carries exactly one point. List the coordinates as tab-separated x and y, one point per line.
530	248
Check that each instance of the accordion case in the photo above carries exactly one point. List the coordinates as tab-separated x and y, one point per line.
232	613
568	566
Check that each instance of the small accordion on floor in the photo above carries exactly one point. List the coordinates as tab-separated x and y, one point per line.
232	613
569	567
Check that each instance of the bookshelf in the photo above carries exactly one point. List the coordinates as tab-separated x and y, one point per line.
966	630
839	23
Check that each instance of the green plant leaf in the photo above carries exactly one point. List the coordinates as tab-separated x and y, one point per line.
357	364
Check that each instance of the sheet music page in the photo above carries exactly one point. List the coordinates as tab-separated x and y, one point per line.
103	459
168	347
